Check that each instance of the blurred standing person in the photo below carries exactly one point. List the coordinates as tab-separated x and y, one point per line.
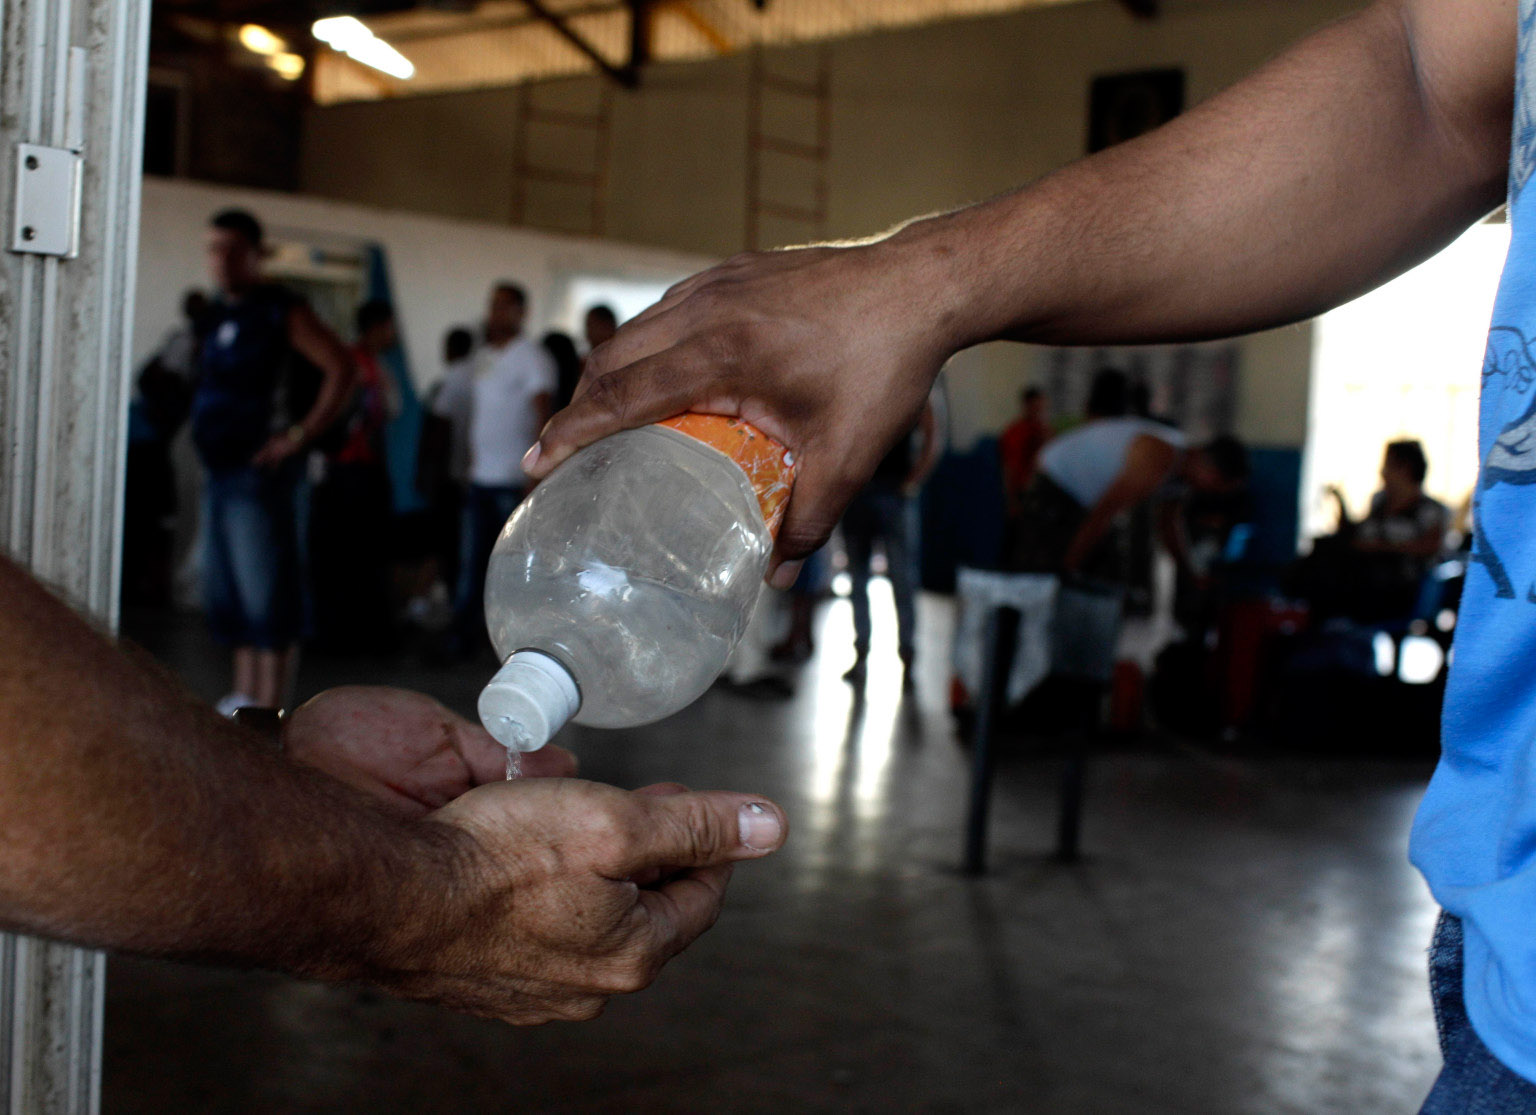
159	406
597	326
512	397
351	507
256	332
600	324
177	354
1019	451
562	350
799	642
442	465
882	515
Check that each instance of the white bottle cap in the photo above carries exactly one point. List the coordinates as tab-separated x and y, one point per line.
528	701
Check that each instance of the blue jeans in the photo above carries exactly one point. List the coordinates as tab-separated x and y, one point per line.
1473	1081
881	515
251	562
486	510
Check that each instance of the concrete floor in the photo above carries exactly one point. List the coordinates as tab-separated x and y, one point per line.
1243	936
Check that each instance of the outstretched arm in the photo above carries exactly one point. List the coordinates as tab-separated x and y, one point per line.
1346	160
131	817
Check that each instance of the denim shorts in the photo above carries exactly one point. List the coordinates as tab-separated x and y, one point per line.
251	584
1473	1081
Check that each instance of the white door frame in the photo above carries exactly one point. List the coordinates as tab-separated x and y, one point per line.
72	77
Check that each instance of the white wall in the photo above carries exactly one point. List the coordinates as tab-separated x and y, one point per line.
441	268
922	118
1272	385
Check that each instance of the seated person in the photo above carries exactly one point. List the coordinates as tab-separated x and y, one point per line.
1372	569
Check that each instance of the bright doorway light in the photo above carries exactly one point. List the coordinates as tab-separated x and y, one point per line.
1422	660
1403	361
352	37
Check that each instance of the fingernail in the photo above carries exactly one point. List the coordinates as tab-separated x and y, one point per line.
786	575
760	827
531	457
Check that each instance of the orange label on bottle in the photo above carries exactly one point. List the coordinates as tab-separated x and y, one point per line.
770	468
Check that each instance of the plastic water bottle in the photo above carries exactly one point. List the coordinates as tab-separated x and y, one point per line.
618	589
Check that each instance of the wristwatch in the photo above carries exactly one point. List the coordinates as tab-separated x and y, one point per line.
265	722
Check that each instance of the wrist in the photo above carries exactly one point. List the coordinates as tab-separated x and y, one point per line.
961	271
313	877
925	264
410	913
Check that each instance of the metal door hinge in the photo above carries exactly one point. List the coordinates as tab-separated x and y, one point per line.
47	187
47	217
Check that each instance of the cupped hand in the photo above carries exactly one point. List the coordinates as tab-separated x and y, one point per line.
830	350
404	748
564	893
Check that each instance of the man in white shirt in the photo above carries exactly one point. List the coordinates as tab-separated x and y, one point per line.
514	385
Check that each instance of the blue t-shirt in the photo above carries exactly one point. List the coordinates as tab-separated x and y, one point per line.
1475	835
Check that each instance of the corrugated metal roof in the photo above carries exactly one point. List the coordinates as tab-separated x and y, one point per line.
504	42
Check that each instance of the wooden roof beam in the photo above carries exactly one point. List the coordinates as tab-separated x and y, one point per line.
627	75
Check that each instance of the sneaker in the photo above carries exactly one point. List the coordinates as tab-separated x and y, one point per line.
227	704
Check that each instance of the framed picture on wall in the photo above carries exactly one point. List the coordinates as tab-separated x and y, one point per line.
1124	106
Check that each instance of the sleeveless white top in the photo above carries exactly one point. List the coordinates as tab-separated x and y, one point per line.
1085	462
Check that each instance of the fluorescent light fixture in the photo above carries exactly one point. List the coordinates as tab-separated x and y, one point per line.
352	38
258	40
288	66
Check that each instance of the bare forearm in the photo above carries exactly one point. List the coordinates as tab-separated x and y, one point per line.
328	405
1343	162
1175	537
1089	534
134	818
320	347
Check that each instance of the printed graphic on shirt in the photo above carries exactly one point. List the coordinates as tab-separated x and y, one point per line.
1522	155
1509	363
1509	369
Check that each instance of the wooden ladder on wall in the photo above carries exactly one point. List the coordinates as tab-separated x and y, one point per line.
560	159
774	144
